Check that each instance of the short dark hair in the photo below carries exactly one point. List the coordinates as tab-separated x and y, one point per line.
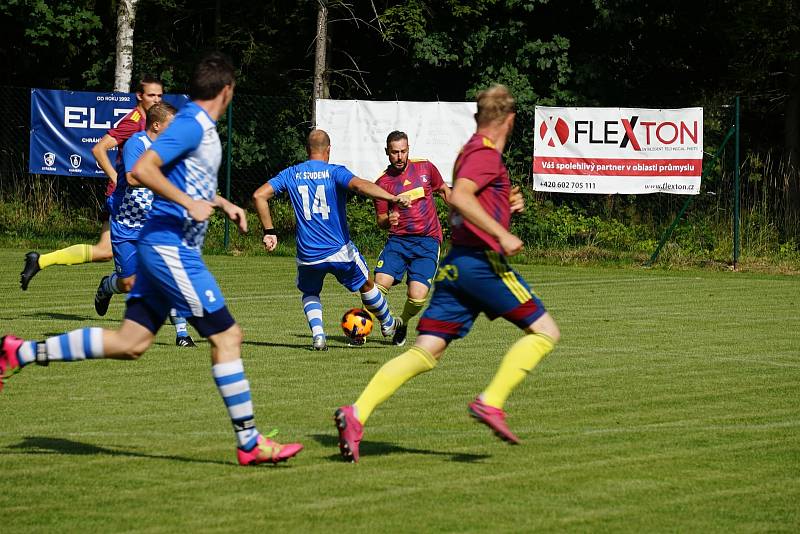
211	75
159	112
144	79
396	135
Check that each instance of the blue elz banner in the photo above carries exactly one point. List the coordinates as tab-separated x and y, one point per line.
65	125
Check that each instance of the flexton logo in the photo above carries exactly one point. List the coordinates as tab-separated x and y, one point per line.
624	133
49	159
75	161
552	129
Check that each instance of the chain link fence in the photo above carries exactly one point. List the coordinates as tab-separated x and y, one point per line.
268	134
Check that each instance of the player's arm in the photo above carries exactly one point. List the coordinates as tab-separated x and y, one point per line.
381	211
464	199
382	219
438	184
444	192
100	152
369	189
515	200
234	212
261	199
148	173
131	152
131	179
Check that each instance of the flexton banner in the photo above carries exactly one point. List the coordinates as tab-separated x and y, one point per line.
618	150
65	125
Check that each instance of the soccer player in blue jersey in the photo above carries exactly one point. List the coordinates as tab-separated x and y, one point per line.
128	207
318	192
474	278
181	169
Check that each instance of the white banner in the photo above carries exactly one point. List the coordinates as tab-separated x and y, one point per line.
358	129
618	150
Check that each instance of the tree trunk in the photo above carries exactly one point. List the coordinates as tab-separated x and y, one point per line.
126	19
321	88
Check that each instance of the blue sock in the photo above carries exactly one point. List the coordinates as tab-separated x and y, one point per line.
235	391
83	344
109	285
312	307
179	323
376	304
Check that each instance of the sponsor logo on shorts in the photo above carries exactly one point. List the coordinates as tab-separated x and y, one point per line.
447	272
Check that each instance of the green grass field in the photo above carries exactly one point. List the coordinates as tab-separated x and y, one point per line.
671	404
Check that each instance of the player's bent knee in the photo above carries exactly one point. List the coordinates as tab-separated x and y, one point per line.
102	253
137	350
229	340
233	335
545	325
368	285
130	342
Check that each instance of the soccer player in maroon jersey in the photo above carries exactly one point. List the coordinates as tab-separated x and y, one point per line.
148	92
475	277
414	232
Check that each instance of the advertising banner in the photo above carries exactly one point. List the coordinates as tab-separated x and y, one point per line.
618	150
358	129
65	125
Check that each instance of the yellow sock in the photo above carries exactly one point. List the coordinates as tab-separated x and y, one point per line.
67	256
382	289
520	359
411	308
390	377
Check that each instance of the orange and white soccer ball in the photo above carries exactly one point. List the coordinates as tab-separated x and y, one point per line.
356	323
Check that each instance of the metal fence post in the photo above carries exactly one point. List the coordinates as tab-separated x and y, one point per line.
668	231
736	236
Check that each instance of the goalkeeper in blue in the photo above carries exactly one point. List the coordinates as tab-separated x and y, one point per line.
128	207
180	167
318	192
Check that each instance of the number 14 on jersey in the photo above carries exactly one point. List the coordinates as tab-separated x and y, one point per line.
318	205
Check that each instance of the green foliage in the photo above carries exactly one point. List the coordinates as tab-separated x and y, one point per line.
65	33
63	23
363	230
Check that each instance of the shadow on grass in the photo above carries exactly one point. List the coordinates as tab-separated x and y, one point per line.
270	344
43	445
63	316
381	448
340	342
200	342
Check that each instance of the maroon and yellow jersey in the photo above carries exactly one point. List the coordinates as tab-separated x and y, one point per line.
132	123
419	180
480	162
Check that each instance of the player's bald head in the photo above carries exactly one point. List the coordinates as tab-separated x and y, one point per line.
318	141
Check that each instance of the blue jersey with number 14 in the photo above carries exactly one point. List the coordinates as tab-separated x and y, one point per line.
318	191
